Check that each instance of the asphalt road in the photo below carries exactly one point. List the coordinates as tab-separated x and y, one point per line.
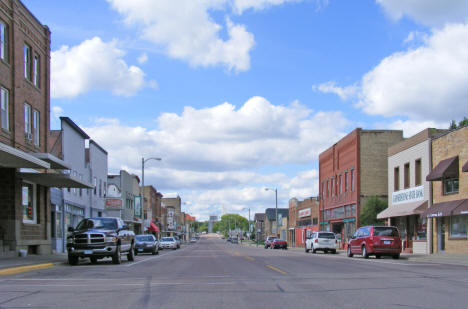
216	274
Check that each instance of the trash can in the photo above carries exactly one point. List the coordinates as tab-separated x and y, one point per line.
23	253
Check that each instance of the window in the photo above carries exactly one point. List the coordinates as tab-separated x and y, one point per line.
341	185
95	185
81	190
100	187
28	202
27	121
328	189
27	62
396	178
352	180
450	185
36	128
417	172
458	226
5	109
346	181
105	189
4	41
332	184
407	176
36	70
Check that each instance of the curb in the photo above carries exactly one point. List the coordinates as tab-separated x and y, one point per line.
22	269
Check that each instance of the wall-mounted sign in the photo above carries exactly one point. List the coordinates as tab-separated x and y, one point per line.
113	203
408	195
304	212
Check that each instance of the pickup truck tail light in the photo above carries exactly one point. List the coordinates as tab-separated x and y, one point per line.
316	241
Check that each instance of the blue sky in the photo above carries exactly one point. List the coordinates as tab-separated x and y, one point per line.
239	95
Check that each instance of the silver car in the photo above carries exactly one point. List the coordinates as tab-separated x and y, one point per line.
146	243
168	243
321	241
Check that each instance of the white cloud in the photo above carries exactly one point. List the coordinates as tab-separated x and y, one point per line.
427	83
343	92
305	184
57	111
143	58
188	32
411	127
427	12
242	5
93	65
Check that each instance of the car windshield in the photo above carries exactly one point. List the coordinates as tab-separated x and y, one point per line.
386	231
326	235
167	239
97	223
144	238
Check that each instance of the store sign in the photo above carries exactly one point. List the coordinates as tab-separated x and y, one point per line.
408	195
113	203
304	212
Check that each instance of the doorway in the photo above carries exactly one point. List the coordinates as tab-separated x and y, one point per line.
441	234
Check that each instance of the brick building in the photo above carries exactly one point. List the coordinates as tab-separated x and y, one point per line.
448	215
152	207
303	218
270	222
351	171
259	221
27	168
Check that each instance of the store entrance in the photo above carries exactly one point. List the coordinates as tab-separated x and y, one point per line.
338	229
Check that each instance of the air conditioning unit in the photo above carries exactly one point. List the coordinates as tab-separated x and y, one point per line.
28	136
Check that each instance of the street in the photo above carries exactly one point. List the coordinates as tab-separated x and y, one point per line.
215	274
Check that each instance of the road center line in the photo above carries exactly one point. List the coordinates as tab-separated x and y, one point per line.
276	269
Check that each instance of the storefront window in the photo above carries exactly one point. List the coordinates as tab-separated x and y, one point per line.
349	230
458	226
28	203
353	210
400	223
421	228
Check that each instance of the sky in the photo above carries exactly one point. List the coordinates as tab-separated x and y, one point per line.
237	96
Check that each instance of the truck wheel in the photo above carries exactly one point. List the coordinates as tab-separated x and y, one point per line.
364	252
130	256
306	250
72	260
349	254
93	259
116	258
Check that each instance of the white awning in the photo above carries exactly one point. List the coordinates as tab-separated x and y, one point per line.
15	158
55	180
401	210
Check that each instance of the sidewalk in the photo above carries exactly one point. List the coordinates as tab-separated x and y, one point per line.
21	264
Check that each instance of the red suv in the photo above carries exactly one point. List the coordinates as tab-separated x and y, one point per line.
375	240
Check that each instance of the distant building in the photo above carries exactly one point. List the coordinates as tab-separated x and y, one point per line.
303	219
174	219
259	221
212	222
270	222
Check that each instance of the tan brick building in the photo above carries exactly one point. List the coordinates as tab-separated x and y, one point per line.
449	176
303	219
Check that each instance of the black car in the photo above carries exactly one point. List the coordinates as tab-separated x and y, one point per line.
146	243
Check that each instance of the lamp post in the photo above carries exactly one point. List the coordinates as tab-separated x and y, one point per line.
142	190
276	207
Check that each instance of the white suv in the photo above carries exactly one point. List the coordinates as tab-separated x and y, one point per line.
323	241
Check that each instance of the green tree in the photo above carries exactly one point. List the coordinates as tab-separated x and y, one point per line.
372	207
461	124
232	221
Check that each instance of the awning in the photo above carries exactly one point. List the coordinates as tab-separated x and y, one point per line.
54	162
405	209
446	168
462	209
442	209
465	167
15	158
153	227
55	180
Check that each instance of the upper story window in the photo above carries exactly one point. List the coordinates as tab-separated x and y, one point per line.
27	121
407	176
450	185
352	180
332	184
27	62
36	125
341	184
36	70
346	181
5	109
396	178
95	185
417	172
4	41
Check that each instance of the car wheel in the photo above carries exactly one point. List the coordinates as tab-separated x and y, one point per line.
93	259
349	254
266	247
334	251
396	256
116	258
72	260
364	252
130	256
154	252
314	250
325	251
306	250
377	256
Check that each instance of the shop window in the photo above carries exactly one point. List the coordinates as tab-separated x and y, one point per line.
396	178
421	227
28	202
417	172
407	176
5	109
458	225
450	186
4	40
353	210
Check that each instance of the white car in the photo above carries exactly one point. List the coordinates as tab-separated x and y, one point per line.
321	241
168	243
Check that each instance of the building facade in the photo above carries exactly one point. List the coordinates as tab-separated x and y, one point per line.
270	222
410	194
259	221
351	171
152	207
174	219
448	215
303	219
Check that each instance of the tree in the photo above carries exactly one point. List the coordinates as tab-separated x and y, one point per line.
372	207
461	124
231	221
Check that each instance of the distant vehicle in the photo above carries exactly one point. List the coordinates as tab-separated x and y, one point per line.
234	240
279	244
228	239
146	243
97	238
321	241
193	240
268	241
377	241
177	239
168	243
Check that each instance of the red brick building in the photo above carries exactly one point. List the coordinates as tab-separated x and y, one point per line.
350	171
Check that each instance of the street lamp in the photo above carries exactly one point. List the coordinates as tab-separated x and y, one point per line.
142	190
276	206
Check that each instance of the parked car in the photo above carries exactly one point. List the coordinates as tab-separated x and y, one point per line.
97	238
177	239
146	243
234	240
377	241
193	240
268	241
228	239
321	241
168	243
279	244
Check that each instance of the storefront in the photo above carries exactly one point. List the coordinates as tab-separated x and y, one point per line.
341	221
